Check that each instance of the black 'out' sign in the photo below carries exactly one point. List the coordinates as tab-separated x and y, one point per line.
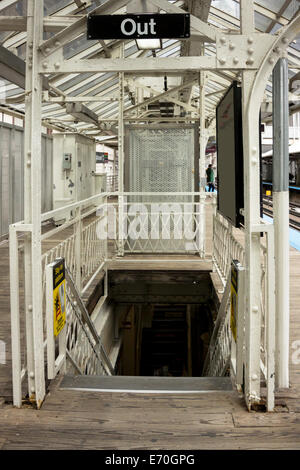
144	26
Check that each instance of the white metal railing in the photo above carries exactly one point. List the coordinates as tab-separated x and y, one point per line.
171	223
224	352
159	223
112	183
225	247
217	361
78	349
93	250
85	256
84	348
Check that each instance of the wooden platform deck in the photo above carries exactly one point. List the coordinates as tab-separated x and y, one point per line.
217	420
92	420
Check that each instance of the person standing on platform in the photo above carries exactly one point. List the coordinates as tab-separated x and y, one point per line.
210	178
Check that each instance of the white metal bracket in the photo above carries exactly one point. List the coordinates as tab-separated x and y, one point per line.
239	51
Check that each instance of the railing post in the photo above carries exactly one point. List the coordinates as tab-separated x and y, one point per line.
281	217
78	247
270	319
32	204
15	316
121	160
203	141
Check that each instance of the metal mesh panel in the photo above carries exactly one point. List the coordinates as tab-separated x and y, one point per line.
161	160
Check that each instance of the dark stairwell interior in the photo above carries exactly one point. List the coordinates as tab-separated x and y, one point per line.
165	319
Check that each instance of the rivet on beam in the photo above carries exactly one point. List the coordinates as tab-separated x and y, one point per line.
250	40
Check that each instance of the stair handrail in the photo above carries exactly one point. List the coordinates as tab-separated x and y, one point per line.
88	321
218	326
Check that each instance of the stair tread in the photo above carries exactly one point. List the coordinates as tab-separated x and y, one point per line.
146	384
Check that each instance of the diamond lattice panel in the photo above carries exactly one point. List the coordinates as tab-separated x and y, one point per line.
161	160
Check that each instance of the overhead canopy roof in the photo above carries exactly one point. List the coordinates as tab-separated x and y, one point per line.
270	16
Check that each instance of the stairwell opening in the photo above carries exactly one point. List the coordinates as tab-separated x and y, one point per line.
165	321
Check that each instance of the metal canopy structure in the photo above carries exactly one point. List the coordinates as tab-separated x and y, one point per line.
99	91
66	82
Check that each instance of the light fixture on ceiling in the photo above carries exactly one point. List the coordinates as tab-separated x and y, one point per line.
149	44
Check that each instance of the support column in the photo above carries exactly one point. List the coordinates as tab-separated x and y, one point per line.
202	176
121	158
32	205
252	217
281	217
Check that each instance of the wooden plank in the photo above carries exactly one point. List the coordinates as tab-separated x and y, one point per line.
141	436
253	420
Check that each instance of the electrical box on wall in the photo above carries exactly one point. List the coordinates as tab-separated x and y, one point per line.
74	165
67	161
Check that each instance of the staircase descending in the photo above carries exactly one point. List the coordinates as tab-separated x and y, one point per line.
164	345
130	384
85	352
164	353
217	361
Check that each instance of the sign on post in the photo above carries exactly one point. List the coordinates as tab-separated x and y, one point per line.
59	296
144	26
56	315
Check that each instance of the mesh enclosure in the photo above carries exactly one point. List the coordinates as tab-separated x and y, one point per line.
160	160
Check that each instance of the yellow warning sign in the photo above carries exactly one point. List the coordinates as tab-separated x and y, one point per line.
233	301
59	296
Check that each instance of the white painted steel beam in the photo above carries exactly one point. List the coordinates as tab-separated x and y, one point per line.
168	94
252	216
146	67
32	207
208	31
7	3
281	217
79	27
52	24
